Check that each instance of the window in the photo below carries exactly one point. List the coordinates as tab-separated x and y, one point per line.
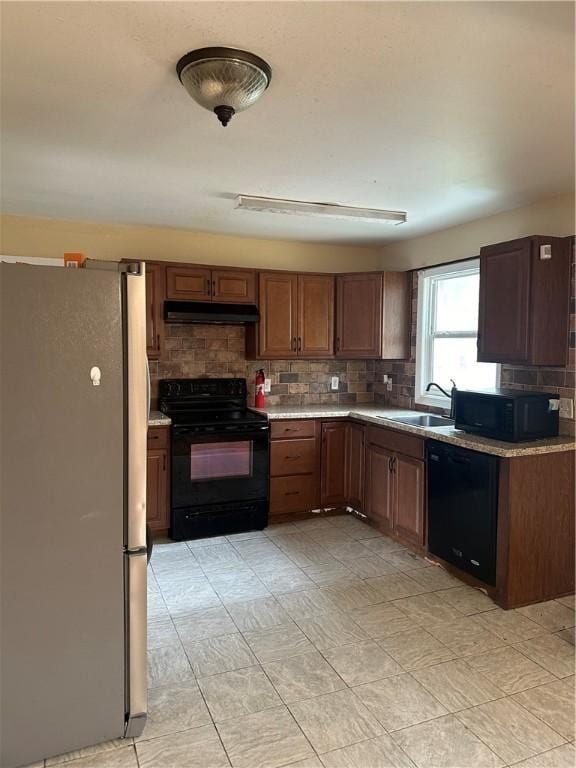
447	332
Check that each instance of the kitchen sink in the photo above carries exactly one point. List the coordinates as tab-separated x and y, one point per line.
425	420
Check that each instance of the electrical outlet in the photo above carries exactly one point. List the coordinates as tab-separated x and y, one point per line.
389	383
385	378
334	383
566	408
267	385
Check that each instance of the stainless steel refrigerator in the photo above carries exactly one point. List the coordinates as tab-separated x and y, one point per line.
73	409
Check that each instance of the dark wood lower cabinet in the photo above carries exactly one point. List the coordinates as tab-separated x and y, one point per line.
395	485
294	469
157	487
409	475
379	489
355	466
333	482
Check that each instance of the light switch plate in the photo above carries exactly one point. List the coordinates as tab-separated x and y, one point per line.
566	408
334	383
267	385
389	384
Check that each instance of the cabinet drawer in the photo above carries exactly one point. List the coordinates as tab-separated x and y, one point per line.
287	429
401	442
294	493
157	437
293	457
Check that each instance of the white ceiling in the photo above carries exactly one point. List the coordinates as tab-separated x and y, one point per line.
450	111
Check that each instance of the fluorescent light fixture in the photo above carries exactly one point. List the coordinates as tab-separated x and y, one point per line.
302	208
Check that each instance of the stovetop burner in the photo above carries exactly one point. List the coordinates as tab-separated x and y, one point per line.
199	402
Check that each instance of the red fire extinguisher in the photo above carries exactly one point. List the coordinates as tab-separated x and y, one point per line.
259	400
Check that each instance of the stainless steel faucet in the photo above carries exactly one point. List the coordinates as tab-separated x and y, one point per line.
448	394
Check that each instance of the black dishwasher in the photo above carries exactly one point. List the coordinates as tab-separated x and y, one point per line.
463	508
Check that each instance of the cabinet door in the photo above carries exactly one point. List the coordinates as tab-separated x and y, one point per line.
278	332
359	315
157	512
379	490
233	286
409	501
503	322
316	315
355	466
188	283
154	309
333	474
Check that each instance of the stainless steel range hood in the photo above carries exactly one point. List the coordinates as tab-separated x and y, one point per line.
209	312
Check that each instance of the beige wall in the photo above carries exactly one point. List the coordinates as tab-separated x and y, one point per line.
26	236
547	217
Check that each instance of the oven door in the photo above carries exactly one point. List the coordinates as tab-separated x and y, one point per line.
219	465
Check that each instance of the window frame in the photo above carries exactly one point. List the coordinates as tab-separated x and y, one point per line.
428	280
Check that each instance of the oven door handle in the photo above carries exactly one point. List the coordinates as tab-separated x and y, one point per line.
240	431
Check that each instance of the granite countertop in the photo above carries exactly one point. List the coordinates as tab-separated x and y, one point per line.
382	416
158	419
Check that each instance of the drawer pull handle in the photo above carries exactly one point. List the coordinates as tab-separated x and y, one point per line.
292	458
290	429
291	493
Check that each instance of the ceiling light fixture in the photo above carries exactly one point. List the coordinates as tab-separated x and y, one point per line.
299	207
224	80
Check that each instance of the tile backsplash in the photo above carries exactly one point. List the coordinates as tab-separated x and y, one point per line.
194	351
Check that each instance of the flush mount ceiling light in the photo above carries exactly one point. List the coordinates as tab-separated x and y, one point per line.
299	207
224	80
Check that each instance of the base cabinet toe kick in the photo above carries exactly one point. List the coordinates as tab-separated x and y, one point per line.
504	525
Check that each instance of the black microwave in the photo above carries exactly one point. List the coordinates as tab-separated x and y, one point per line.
507	414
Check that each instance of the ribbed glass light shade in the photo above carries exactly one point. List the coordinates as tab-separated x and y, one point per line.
229	83
224	80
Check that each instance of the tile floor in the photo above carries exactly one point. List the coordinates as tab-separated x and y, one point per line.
323	644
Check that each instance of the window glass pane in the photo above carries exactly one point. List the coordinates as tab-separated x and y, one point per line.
457	303
456	359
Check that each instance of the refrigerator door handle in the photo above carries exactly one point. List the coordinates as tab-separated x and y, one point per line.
136	659
137	401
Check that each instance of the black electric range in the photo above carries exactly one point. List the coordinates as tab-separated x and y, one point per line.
220	458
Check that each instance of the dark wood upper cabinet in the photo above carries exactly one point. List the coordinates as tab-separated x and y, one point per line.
196	283
189	283
409	488
154	305
316	315
355	466
333	484
233	286
296	316
524	302
278	327
373	315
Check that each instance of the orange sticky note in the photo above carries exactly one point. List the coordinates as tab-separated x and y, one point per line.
74	259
